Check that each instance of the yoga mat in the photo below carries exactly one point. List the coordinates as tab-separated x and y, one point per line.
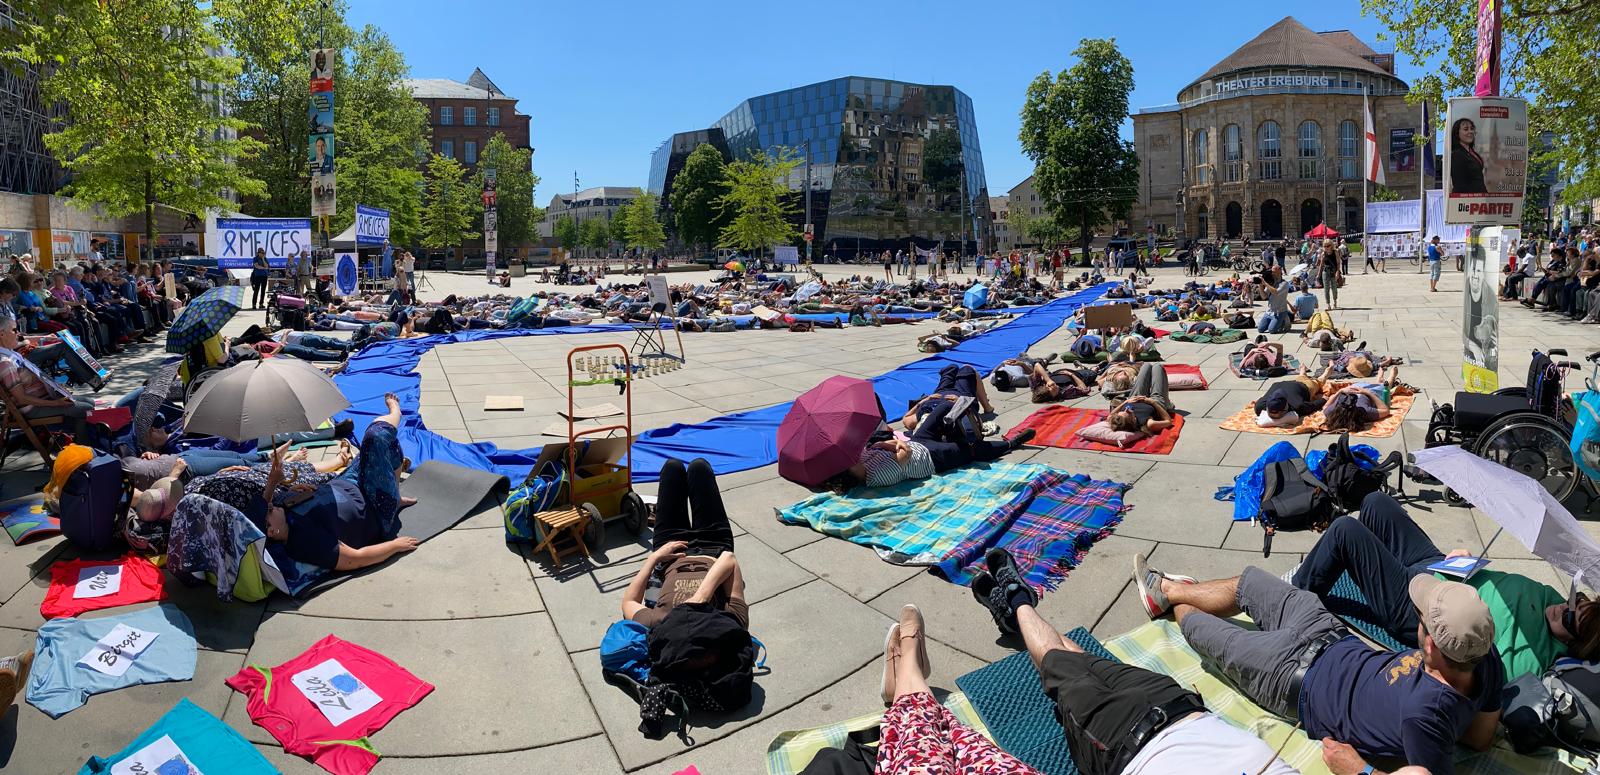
1020	718
1346	602
733	442
445	493
1058	426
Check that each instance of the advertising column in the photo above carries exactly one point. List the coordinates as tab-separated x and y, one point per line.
491	224
319	147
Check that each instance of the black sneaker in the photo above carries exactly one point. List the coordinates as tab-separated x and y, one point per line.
1022	438
993	597
1003	567
344	429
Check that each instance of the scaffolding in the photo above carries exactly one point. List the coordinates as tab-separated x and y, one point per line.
26	166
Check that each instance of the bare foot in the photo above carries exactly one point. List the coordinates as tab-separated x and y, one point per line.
406	500
392	401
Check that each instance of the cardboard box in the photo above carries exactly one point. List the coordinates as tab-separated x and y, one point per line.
1107	316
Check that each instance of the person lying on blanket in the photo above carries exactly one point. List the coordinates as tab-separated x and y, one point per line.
1099	703
1148	410
1286	401
350	521
1384	549
1262	355
1360	404
955	382
1360	362
697	550
933	447
1362	702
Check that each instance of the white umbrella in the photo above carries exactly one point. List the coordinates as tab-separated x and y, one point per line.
1521	506
256	399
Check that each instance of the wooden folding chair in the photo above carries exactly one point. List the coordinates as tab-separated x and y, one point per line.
12	418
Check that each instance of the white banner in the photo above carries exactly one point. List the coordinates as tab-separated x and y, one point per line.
1485	160
372	226
1391	217
233	241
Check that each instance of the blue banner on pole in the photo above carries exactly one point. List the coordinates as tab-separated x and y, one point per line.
372	226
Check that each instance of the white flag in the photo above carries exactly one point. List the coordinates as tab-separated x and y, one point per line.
1374	162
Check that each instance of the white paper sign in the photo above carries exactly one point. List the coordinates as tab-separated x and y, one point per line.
338	694
98	581
163	757
116	651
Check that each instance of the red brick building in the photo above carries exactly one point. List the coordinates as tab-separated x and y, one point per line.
464	116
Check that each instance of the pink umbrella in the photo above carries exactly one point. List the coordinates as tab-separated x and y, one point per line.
826	429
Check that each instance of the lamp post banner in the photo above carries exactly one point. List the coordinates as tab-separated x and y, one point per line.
1485	161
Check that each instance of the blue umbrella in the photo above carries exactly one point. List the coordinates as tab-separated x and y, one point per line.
976	296
204	317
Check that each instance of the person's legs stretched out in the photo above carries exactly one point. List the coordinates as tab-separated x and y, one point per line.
1151	382
1381	551
377	470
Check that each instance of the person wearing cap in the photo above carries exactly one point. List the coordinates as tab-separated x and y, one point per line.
1304	664
1384	549
1286	401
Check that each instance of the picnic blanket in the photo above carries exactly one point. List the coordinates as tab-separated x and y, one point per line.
920	521
1047	535
1175	369
1234	359
791	752
1220	336
1058	426
1324	359
1400	400
1159	646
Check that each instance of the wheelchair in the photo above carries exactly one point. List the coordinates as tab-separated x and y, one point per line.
1526	429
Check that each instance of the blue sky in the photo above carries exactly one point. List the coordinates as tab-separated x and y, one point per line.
606	82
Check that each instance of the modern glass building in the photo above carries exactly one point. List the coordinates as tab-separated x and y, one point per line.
890	163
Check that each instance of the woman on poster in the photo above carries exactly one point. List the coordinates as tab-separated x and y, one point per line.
1466	164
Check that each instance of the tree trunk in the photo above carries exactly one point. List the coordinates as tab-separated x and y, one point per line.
149	215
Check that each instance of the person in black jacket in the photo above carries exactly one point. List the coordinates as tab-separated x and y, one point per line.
1466	164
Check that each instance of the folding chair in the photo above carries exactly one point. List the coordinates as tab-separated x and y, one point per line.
12	418
648	339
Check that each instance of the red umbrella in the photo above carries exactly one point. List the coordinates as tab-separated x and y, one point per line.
1322	232
826	429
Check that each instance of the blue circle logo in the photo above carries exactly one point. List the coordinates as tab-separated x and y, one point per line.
346	275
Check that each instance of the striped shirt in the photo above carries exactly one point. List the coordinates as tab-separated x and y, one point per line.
884	470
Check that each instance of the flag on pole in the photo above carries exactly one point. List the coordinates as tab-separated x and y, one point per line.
1374	161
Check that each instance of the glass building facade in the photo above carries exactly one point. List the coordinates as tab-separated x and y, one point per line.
890	163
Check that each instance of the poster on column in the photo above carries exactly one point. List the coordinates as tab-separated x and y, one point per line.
1487	248
1485	161
345	274
319	145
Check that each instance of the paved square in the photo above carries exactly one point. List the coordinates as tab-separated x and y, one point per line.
512	645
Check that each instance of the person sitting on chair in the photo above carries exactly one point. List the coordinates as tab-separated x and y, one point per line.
1384	549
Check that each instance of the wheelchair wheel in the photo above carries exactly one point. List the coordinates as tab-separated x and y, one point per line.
196	382
1535	446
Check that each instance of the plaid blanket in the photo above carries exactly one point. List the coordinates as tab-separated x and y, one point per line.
1058	426
1222	336
1048	534
791	752
918	522
1290	362
1400	400
1159	646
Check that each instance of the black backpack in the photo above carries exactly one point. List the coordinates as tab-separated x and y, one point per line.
1348	481
1292	498
681	681
1559	708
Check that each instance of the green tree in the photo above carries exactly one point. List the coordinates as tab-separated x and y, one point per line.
1382	193
695	193
567	233
378	133
757	202
1547	57
595	235
644	228
452	207
514	185
1536	201
617	226
1086	174
138	79
941	161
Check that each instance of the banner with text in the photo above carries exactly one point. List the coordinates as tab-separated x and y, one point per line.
235	240
1485	160
372	226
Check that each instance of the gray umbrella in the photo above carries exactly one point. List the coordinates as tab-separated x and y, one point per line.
256	399
156	392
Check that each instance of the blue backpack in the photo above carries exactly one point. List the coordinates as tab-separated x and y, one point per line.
541	491
625	649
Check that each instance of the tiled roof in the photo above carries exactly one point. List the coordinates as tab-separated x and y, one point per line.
1291	44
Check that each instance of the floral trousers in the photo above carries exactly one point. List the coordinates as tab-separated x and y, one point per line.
921	737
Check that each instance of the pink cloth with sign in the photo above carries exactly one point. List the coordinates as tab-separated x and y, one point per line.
323	703
78	586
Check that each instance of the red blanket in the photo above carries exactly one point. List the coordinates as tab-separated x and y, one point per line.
1174	369
1058	426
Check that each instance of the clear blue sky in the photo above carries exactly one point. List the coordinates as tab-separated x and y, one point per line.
605	82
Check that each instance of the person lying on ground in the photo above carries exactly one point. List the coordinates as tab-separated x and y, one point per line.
955	382
1099	703
1356	406
935	446
1262	356
1303	664
1148	410
696	548
1286	401
1059	384
1534	624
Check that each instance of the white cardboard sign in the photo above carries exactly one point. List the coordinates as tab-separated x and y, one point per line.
98	581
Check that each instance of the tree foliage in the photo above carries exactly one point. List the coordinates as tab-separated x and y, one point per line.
452	207
138	79
1547	57
1536	201
378	131
643	226
594	234
1086	174
941	161
567	233
756	202
1382	193
514	185
696	191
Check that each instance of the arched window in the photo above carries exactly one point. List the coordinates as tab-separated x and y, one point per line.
1269	151
1202	173
1310	150
1233	153
1349	166
1232	221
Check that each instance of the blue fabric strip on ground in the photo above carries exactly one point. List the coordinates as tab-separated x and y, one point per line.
733	442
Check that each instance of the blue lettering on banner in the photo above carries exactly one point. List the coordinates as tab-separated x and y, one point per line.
372	225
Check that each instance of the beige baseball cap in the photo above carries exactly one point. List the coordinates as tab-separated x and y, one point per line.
1454	616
